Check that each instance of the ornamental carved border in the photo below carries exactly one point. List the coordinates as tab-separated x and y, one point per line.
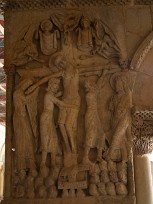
38	4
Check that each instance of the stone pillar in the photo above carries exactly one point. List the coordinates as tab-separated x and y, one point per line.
1	180
143	145
143	179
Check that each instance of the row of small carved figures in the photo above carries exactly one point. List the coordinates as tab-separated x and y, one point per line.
105	178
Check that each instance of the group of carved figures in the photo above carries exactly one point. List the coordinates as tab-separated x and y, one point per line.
56	135
64	31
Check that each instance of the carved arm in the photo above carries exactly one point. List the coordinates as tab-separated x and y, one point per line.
42	81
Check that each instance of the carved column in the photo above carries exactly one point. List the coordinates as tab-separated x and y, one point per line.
143	145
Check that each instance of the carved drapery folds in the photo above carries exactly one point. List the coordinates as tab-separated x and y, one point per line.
142	131
72	102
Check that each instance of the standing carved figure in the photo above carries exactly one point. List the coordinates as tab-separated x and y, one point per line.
67	115
120	107
48	37
24	127
95	136
49	138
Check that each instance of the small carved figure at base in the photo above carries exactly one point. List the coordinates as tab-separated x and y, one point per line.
113	176
104	177
30	193
122	172
94	179
65	193
30	186
33	173
22	176
101	189
80	193
121	189
52	192
93	191
112	168
44	171
42	192
110	189
39	182
20	191
49	181
72	193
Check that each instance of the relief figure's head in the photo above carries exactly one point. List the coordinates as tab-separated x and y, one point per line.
46	25
85	22
53	85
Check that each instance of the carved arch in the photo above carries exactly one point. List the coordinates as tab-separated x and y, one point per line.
142	52
141	69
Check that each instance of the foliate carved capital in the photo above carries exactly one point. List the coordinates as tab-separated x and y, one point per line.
142	131
9	71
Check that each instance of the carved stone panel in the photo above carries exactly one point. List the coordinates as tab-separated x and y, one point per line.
70	97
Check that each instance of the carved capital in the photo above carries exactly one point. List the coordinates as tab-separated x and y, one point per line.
142	131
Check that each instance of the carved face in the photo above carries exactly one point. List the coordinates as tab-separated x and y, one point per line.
53	85
85	23
46	25
60	62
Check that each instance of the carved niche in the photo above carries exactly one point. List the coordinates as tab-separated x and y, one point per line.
71	111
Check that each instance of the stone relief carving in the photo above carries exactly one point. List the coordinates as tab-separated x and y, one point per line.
64	65
142	132
120	107
48	37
